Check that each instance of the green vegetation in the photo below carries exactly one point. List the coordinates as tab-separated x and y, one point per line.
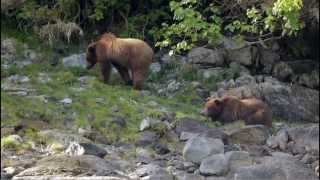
178	25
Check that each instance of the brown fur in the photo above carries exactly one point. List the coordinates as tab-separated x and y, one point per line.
229	109
124	54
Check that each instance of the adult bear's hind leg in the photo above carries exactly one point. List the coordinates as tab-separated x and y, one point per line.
123	71
138	79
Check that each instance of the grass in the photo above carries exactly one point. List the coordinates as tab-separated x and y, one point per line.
94	106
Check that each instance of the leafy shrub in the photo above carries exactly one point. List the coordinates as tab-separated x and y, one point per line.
189	26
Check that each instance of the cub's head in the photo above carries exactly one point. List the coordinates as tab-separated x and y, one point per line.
91	55
213	107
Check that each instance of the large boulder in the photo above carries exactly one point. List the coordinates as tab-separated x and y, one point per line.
199	147
216	164
245	56
206	56
292	168
259	172
63	165
249	135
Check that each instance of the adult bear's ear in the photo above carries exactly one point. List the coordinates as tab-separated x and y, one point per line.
91	48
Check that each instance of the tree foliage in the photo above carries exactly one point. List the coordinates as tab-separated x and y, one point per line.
178	25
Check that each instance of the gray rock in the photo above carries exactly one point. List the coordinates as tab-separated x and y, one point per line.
236	67
18	79
307	137
244	56
245	80
190	125
75	149
75	60
259	172
148	122
250	135
282	71
198	148
155	67
238	159
292	168
92	149
187	135
66	101
280	140
268	59
147	138
206	56
63	165
216	164
188	176
309	80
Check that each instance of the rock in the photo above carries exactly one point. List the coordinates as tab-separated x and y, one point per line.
18	79
282	71
190	125
75	149
160	174
237	68
11	5
253	134
206	56
148	122
309	80
238	159
148	169
173	86
293	103
167	59
292	168
66	101
215	164
187	135
198	148
244	56
143	156
147	138
92	149
226	84
155	67
307	137
259	172
119	121
245	80
187	176
268	59
63	137
161	149
75	60
280	140
63	165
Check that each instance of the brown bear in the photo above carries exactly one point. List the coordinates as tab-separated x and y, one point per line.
229	109
124	54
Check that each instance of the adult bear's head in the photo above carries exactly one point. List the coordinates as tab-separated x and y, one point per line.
91	56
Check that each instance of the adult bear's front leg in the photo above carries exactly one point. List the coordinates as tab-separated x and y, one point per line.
105	70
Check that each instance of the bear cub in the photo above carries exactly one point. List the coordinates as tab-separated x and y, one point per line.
229	109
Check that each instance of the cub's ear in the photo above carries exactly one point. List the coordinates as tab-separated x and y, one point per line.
218	102
91	48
